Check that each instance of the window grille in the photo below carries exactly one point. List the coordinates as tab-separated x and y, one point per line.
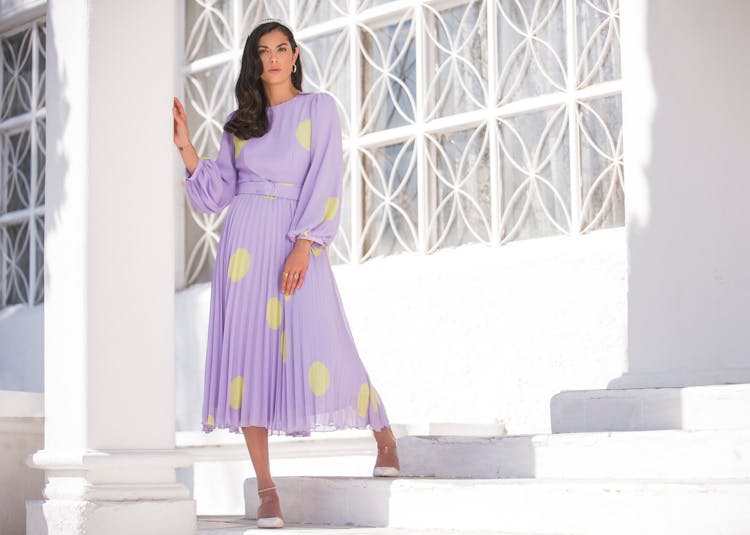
22	167
464	121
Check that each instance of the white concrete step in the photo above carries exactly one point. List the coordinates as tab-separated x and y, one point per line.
523	506
235	525
636	409
626	455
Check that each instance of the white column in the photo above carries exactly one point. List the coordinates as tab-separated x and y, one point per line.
686	111
109	453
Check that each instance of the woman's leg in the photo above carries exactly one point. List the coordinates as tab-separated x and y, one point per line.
387	454
257	444
384	437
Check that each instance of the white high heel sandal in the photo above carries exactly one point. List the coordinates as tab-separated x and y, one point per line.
269	521
386	471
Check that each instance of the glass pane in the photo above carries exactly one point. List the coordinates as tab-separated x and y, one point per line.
598	37
531	48
17	75
459	200
534	174
390	203
255	10
209	99
325	65
457	59
41	63
208	28
602	181
15	247
39	293
311	12
16	172
389	75
41	162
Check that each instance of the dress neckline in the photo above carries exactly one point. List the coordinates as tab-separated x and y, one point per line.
287	101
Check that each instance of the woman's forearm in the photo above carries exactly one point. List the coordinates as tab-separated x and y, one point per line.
189	157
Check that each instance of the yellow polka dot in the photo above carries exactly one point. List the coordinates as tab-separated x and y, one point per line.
210	420
235	392
286	183
304	133
273	312
270	197
374	399
287	297
316	250
205	158
306	233
331	205
363	399
238	144
239	264
319	378
282	344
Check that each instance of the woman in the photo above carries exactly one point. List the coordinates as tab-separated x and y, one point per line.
280	355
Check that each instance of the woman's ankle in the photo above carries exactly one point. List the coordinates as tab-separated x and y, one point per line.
385	436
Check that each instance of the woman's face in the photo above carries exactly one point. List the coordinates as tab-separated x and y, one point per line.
277	57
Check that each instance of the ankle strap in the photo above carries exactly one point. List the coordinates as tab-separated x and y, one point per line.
269	488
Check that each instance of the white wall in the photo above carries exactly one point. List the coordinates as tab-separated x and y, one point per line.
21	433
15	12
22	348
686	112
470	334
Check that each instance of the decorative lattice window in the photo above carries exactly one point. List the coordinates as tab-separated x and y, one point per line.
464	122
22	169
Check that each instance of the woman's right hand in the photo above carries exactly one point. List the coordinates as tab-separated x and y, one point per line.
181	134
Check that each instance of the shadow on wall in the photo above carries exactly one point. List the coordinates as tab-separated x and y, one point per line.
689	278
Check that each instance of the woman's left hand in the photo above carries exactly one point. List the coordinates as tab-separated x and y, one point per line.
295	267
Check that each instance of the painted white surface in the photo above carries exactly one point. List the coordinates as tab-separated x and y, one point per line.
21	433
22	348
472	334
538	317
685	111
554	304
109	450
237	524
519	506
619	455
707	407
16	12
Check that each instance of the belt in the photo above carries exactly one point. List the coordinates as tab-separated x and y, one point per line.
268	187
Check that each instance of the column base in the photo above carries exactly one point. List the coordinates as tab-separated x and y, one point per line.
73	517
111	492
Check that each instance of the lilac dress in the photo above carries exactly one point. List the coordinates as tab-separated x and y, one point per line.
284	362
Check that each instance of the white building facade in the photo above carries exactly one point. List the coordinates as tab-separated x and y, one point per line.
488	260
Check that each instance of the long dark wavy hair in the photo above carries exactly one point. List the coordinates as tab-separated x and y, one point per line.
251	119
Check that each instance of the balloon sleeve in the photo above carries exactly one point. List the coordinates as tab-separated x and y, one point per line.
317	214
213	183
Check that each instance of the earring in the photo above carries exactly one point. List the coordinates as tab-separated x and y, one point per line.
294	68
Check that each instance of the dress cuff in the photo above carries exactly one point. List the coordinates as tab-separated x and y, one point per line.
292	236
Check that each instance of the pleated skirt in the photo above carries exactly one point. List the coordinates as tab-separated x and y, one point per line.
285	362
